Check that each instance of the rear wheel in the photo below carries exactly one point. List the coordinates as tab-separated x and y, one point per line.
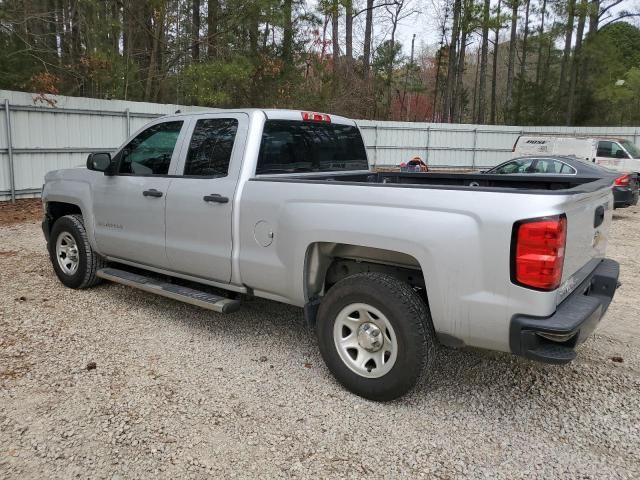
72	257
375	335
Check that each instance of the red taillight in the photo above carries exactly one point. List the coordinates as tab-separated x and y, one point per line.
623	181
315	117
538	252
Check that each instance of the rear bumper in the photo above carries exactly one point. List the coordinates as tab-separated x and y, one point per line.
624	197
553	339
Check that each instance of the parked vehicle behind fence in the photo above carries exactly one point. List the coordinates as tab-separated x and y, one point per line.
207	208
616	153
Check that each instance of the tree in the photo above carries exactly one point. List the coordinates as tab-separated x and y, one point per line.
523	62
469	23
514	4
451	69
397	12
483	61
611	52
195	30
623	99
368	33
213	9
335	34
287	38
562	86
437	79
348	31
541	42
575	64
494	74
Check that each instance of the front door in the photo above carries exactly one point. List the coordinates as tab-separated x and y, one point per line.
200	202
129	207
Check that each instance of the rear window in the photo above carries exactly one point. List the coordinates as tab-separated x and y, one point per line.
290	146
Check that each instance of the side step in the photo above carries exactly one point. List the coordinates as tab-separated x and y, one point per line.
169	290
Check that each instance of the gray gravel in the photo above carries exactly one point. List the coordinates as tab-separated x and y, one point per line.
115	383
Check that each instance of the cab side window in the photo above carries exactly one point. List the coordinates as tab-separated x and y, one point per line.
610	150
210	148
150	152
604	149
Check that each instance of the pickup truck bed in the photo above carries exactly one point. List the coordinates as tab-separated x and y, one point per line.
484	182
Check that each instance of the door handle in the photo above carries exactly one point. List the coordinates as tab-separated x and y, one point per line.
215	198
152	193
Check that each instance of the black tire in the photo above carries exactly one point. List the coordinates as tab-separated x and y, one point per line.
89	262
409	317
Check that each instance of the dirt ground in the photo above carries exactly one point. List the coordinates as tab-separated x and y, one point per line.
27	210
114	383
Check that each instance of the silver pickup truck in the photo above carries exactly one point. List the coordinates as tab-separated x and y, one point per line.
207	208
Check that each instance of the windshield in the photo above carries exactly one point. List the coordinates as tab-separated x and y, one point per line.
290	146
633	150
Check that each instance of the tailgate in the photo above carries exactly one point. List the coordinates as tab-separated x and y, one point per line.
588	221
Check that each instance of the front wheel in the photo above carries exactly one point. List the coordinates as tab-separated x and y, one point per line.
375	335
72	257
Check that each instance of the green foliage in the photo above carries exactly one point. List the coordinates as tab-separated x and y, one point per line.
386	54
622	99
612	57
218	83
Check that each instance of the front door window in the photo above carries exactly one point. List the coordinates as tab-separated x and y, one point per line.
150	152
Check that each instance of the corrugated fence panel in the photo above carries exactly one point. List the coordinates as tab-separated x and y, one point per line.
5	184
4	157
60	131
29	167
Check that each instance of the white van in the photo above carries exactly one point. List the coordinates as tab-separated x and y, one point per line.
615	153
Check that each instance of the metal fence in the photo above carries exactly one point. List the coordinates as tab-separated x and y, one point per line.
457	145
37	136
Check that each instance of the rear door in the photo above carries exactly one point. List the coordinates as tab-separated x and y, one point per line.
200	200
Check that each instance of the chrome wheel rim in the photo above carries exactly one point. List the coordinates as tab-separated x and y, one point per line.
365	340
67	253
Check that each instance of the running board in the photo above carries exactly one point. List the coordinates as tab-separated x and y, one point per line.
170	290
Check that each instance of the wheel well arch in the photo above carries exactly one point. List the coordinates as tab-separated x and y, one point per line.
55	210
326	263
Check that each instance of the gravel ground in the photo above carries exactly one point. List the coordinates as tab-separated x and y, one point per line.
115	383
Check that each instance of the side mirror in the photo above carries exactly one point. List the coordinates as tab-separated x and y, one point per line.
621	154
99	162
